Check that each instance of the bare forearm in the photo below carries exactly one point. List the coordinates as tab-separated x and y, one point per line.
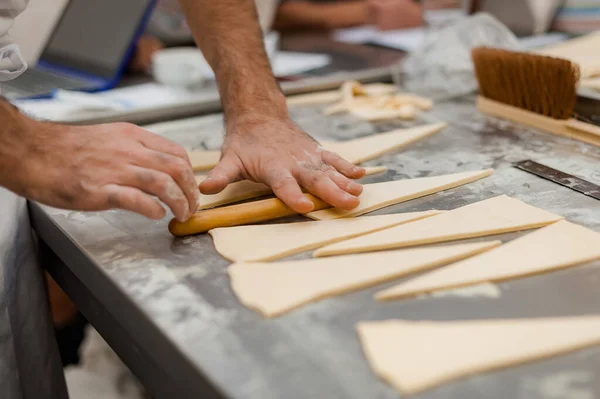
14	126
228	33
305	14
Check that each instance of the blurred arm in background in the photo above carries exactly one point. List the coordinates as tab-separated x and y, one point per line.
326	15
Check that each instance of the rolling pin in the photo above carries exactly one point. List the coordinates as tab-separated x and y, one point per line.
236	215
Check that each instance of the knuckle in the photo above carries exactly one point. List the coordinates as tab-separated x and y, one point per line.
314	179
282	182
161	184
179	150
178	168
113	199
127	128
145	177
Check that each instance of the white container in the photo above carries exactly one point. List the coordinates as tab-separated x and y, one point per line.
186	67
182	67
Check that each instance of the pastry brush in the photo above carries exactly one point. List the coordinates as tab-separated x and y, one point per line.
534	90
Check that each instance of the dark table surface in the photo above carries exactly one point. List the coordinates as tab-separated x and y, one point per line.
166	307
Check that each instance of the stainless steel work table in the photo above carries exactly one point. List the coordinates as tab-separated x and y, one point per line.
166	307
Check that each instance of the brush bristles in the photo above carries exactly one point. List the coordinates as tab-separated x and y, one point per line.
544	85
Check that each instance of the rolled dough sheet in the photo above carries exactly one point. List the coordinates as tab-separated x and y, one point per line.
247	189
355	151
379	195
555	247
370	147
275	288
262	243
415	356
493	216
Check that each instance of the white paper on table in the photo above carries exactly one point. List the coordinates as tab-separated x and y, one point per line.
132	98
359	35
400	39
539	41
288	63
404	39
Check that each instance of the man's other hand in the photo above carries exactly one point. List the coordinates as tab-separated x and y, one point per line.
274	151
93	168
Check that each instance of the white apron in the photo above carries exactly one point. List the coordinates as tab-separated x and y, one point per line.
30	366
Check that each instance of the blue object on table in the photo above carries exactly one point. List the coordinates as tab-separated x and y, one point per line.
89	49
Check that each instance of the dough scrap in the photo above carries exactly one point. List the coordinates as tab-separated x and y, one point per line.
331	96
555	247
263	243
275	288
356	100
354	151
416	356
379	195
246	189
492	216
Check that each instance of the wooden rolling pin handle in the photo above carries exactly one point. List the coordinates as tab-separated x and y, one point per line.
236	215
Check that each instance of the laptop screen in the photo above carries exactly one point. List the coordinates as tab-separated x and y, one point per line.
94	36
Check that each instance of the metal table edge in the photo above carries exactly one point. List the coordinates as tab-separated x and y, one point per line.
104	304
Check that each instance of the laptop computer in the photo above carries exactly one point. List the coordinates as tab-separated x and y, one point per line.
88	50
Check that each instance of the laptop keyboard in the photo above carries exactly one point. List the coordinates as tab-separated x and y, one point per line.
35	82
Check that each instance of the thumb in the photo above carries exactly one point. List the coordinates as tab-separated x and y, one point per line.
224	173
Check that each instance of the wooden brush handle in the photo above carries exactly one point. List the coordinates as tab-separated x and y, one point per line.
236	215
584	127
570	128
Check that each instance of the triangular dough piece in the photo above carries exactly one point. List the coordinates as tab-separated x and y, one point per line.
415	356
204	160
246	189
370	147
275	288
355	151
379	195
262	243
493	216
557	246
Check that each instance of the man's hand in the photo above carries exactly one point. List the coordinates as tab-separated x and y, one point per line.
99	167
262	143
395	14
273	150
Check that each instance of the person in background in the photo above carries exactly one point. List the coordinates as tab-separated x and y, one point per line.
578	16
168	27
336	14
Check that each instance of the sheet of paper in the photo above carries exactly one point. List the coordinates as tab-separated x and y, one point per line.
359	35
138	97
288	63
401	39
539	41
406	39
